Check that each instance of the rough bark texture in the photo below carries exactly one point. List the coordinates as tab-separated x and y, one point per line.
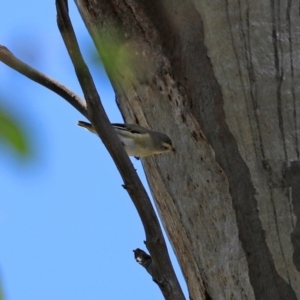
221	78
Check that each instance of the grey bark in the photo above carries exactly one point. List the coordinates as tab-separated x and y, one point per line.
221	78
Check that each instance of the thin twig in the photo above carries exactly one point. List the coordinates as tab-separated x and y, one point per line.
166	277
10	60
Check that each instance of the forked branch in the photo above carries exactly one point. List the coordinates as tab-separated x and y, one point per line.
166	277
10	60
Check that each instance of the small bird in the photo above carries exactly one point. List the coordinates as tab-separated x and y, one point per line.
138	141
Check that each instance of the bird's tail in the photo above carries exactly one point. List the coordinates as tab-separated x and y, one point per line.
86	125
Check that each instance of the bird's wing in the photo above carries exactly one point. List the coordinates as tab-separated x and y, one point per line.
133	128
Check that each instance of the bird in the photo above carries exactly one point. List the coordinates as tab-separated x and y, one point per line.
137	140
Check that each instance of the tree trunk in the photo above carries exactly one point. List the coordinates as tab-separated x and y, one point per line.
221	78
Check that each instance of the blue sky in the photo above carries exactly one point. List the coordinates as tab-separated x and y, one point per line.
67	227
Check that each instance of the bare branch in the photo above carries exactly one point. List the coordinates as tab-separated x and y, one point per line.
10	60
166	278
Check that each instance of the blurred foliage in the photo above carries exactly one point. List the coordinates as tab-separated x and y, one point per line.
12	135
117	54
1	293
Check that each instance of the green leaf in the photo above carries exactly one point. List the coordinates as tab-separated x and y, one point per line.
12	134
